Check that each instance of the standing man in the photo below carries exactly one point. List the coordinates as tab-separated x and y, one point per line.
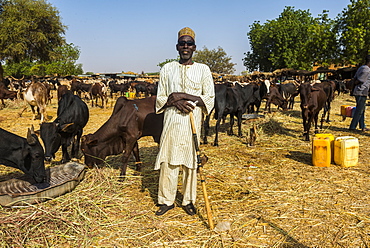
184	86
361	92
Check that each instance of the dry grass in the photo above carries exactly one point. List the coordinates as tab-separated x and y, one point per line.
270	194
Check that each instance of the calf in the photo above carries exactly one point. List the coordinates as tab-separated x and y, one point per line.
130	120
276	98
313	99
6	94
36	95
24	154
66	129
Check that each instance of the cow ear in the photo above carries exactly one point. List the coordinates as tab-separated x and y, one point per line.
66	127
31	140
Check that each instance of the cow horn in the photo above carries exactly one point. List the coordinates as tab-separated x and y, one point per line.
65	126
16	78
32	129
30	139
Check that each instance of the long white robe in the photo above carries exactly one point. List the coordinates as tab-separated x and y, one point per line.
176	144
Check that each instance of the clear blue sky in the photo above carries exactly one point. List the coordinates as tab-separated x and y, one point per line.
136	35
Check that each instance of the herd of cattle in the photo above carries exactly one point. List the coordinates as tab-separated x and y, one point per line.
132	119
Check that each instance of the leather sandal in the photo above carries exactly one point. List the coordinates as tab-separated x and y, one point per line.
163	209
190	209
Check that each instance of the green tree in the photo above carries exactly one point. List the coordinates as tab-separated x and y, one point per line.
322	45
261	44
65	61
63	64
280	43
353	28
167	61
18	70
216	59
290	32
30	30
297	40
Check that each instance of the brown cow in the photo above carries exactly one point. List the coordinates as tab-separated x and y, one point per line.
62	89
36	96
313	99
140	87
289	91
98	90
6	94
118	87
78	87
75	86
329	88
130	120
276	98
48	90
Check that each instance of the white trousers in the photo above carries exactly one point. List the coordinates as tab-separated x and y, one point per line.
168	180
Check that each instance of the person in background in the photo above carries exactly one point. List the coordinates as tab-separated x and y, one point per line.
184	86
361	91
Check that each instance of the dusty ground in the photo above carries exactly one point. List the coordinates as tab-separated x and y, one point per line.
270	194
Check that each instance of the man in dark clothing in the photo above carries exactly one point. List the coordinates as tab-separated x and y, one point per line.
360	92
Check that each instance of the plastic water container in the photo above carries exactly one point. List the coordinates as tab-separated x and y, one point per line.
321	152
331	137
127	94
343	110
346	150
349	111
